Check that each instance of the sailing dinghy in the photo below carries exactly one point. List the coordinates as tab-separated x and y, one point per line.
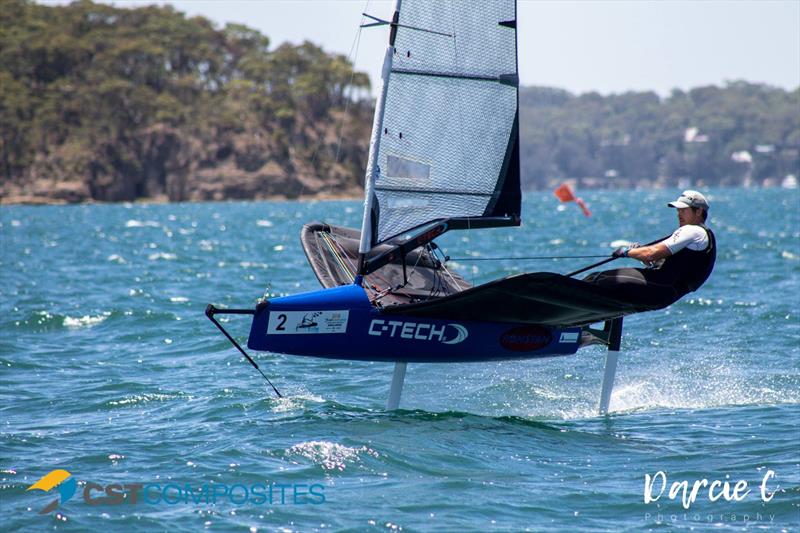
444	155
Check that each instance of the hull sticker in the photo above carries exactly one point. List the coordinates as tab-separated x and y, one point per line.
421	331
307	322
525	338
569	336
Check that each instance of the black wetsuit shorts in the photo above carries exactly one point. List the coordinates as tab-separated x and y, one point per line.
635	285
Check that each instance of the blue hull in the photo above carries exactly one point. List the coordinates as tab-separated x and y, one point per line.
341	323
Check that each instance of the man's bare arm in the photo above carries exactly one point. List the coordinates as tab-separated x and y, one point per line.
648	254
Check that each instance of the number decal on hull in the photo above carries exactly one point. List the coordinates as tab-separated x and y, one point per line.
307	322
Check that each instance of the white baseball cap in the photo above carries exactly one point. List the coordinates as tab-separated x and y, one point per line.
690	199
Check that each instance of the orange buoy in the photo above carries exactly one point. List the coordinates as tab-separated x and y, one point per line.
565	193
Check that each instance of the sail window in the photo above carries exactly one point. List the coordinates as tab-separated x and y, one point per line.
408	203
400	167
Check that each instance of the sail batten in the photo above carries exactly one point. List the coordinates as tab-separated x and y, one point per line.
448	142
502	78
436	191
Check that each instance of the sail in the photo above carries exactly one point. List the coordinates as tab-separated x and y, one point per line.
449	144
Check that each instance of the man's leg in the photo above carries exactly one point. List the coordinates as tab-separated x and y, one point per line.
631	285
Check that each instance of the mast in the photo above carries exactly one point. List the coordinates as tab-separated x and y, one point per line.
374	145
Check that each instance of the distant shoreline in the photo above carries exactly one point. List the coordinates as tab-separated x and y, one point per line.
35	200
38	200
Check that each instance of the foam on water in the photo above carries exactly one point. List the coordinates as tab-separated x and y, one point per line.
162	256
330	455
717	391
139	399
85	321
620	242
142	224
294	402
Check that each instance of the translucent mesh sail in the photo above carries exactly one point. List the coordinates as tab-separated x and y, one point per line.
450	113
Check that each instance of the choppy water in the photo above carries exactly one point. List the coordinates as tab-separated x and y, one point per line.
110	370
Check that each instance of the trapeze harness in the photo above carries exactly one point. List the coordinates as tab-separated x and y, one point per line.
680	274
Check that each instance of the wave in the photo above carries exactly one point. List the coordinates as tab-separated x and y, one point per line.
330	455
85	321
142	224
163	256
131	400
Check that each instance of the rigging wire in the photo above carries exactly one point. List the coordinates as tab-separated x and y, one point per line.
355	46
339	260
446	270
531	257
413	269
339	253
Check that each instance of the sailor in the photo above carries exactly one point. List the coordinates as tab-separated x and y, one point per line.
679	264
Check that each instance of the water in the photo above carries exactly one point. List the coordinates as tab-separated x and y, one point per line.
111	371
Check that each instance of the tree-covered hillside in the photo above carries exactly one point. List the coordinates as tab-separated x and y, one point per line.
708	135
115	104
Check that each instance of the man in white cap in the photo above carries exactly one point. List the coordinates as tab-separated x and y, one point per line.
679	264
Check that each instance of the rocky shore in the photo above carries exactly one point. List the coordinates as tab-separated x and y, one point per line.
164	164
